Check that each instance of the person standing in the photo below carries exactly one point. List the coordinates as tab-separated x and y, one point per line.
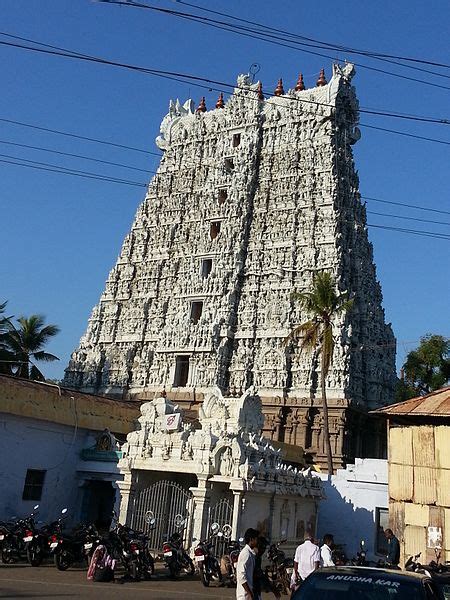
306	560
326	558
246	566
393	556
261	582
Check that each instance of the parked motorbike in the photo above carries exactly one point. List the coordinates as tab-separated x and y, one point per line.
131	548
230	558
77	547
11	539
360	560
38	547
279	568
175	556
207	563
15	535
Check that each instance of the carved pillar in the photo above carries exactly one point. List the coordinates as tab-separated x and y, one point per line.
237	510
202	497
127	489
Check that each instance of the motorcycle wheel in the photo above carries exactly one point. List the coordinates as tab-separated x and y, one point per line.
135	570
34	556
63	560
204	577
7	555
173	570
189	568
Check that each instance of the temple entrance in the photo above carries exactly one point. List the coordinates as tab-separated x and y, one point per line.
166	500
98	503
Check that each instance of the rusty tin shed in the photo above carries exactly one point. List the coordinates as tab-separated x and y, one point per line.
419	474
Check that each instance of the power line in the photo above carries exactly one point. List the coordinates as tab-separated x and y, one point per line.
79	137
97	160
411	135
371	212
201	81
432	234
370	53
72	172
255	34
444	212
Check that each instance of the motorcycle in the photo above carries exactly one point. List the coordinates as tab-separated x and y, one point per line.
278	569
75	548
38	547
12	545
175	556
207	563
15	535
230	559
360	560
132	548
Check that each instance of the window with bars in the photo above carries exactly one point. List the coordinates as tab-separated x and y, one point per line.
34	484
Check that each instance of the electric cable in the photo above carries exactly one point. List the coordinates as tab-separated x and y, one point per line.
246	32
201	81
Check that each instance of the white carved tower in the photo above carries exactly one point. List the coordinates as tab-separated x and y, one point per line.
249	201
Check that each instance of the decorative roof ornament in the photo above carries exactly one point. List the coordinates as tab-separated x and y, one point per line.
220	103
321	81
260	91
202	106
279	90
300	86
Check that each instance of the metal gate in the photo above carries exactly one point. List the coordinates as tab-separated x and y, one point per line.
222	513
165	499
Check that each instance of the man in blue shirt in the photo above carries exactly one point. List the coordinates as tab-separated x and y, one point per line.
393	557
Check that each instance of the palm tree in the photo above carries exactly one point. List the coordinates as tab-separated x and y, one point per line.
323	304
5	355
26	342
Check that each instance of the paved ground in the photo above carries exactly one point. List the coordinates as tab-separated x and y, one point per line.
46	582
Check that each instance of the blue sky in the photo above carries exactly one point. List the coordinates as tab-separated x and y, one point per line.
60	235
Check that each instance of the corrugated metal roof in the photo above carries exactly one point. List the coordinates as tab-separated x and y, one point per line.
436	404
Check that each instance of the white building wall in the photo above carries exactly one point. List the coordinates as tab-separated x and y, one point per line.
34	444
349	510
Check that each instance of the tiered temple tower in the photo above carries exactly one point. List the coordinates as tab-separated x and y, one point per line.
250	200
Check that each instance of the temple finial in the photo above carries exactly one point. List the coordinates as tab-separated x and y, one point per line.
202	106
279	90
321	80
300	86
220	103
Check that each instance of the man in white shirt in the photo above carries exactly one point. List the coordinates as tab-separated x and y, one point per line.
326	559
306	560
246	566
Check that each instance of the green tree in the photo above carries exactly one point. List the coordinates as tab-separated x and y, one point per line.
323	304
427	368
26	343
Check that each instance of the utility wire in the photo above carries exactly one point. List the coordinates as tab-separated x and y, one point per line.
254	34
201	81
432	234
444	212
62	171
411	135
97	160
329	45
371	212
79	137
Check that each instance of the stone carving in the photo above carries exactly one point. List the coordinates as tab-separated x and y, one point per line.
228	444
235	228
